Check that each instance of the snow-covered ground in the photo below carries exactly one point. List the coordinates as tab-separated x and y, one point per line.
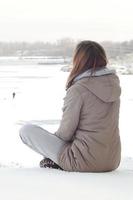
41	184
39	98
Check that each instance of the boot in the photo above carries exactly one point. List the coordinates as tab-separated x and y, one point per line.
48	163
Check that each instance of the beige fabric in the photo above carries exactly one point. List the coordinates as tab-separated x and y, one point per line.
90	125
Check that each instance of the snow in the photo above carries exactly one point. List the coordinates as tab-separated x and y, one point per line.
39	98
52	184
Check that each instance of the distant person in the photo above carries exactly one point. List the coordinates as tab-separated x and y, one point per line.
87	139
13	95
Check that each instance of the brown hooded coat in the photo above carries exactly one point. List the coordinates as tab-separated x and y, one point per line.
90	125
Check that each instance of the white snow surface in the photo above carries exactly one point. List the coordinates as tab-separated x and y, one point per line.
52	184
39	98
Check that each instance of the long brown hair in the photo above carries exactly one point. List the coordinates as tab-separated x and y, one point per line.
87	55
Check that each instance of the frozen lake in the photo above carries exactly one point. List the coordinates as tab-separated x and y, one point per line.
39	97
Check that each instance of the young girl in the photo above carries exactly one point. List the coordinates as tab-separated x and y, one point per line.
87	139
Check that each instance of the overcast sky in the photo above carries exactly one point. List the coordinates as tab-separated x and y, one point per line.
48	20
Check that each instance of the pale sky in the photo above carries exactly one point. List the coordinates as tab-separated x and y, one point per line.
49	20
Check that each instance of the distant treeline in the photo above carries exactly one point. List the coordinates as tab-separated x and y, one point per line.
63	47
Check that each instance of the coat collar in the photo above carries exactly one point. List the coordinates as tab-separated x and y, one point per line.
98	72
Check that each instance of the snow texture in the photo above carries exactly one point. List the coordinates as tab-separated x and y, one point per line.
39	98
52	184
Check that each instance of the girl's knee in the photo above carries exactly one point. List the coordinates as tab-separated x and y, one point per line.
26	131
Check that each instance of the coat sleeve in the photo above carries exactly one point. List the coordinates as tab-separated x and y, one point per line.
71	114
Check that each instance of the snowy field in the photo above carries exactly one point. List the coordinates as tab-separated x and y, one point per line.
39	98
46	184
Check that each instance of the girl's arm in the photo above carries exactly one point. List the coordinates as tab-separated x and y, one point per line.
71	114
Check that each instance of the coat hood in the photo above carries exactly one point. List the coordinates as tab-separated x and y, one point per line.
103	83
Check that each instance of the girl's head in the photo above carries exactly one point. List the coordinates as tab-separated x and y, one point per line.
87	55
